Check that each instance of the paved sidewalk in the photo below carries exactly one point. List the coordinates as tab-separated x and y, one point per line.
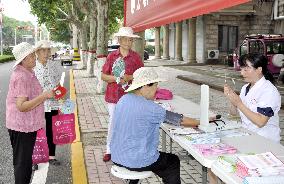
93	119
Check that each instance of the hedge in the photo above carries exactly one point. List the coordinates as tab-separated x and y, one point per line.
6	58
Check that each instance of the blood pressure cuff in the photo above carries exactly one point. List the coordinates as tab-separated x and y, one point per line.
173	118
266	111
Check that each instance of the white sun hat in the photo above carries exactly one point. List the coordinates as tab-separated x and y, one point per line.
43	44
127	32
21	51
144	76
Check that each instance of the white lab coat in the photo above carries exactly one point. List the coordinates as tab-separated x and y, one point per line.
263	94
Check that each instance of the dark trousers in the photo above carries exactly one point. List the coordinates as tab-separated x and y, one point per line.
166	167
23	146
49	134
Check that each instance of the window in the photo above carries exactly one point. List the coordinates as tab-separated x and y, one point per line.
256	47
227	38
274	47
244	49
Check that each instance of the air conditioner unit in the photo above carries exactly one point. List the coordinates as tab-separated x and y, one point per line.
213	54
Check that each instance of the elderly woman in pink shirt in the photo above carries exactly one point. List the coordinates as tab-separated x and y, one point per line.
24	111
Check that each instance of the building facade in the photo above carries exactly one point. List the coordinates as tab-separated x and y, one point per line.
219	32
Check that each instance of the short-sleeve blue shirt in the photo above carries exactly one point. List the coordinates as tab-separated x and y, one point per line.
135	136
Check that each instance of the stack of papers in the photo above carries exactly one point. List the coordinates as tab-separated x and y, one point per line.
264	180
228	162
183	131
208	138
215	149
214	137
263	164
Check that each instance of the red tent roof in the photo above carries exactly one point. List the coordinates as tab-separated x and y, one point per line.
144	14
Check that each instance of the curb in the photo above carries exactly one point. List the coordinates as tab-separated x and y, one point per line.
79	174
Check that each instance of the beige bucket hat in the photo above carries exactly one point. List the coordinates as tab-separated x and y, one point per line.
21	51
127	32
142	77
43	44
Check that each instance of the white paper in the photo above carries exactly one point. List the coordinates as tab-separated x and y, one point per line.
262	160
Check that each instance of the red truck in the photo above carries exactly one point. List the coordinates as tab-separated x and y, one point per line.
270	45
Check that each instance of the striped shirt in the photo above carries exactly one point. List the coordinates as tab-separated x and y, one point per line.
135	137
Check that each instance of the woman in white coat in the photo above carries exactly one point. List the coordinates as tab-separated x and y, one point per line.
259	101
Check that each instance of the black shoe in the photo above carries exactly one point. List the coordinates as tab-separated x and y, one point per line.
35	167
54	162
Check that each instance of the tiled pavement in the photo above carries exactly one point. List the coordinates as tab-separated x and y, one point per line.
93	118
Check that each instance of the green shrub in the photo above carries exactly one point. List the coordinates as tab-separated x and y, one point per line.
7	50
150	49
6	58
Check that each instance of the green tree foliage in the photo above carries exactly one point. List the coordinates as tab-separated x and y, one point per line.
48	14
9	25
60	32
115	14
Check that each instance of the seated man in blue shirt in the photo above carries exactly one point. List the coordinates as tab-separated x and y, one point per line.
135	137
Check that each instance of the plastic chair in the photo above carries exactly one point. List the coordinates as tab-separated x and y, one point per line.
127	175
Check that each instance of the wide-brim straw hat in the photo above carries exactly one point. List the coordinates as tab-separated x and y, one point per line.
144	76
125	32
21	51
43	44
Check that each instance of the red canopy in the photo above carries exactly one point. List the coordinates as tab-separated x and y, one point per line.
144	14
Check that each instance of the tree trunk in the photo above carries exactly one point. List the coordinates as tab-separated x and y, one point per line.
74	36
102	8
93	45
84	46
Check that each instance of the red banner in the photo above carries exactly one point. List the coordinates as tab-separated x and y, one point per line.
144	14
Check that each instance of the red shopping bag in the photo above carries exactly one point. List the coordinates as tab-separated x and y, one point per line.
40	153
163	94
63	128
